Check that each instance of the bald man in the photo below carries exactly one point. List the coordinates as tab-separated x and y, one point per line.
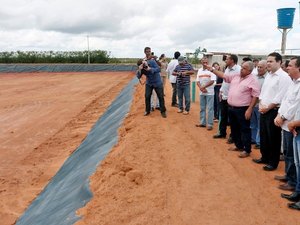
254	123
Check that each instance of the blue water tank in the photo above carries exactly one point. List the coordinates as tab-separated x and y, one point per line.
285	17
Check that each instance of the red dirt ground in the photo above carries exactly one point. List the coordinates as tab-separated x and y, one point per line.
162	171
44	117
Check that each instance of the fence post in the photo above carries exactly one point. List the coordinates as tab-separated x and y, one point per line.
193	90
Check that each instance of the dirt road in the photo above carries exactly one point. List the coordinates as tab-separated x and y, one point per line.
162	171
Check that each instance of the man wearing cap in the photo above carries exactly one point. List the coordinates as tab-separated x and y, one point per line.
183	71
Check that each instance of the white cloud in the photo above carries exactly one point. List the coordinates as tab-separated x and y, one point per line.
125	27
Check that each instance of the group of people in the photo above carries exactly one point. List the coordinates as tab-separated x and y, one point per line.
179	71
259	100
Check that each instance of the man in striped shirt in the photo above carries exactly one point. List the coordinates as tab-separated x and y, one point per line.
183	71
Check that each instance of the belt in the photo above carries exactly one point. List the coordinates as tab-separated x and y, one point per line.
238	107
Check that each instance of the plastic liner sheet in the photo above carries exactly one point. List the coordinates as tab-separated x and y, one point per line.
21	68
69	188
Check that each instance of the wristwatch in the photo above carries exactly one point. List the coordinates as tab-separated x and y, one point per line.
282	117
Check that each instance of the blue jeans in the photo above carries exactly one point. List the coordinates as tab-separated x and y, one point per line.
254	125
207	106
290	169
296	144
184	91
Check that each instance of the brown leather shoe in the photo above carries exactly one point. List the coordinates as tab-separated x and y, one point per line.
280	178
244	154
286	187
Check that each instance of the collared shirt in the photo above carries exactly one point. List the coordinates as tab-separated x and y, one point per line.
297	114
183	80
274	88
290	103
261	79
203	77
225	85
153	75
171	66
242	89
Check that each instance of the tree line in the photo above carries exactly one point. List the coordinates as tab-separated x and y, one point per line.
96	56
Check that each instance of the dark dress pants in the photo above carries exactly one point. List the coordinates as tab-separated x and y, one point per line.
270	138
160	95
240	128
223	117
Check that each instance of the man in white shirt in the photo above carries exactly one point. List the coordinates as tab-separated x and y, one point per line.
286	113
171	66
294	128
273	91
206	82
232	68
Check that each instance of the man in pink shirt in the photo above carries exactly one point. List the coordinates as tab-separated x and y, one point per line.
242	96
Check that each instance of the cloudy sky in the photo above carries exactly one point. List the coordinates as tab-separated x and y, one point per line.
125	27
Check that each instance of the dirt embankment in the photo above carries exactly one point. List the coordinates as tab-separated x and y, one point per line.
44	117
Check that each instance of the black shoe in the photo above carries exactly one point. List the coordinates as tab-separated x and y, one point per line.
164	115
269	168
294	197
152	109
259	161
200	125
294	205
280	178
257	146
286	187
229	141
157	107
174	105
146	113
219	136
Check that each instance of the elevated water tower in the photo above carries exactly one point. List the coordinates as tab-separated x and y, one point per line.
285	17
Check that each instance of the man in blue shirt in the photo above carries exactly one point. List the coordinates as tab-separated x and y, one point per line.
151	70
